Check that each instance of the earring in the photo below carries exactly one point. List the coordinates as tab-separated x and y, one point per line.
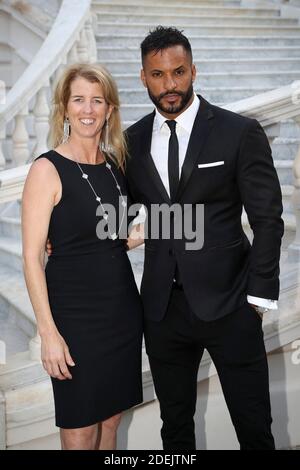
66	131
105	146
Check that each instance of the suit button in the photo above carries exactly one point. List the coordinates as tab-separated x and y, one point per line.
171	252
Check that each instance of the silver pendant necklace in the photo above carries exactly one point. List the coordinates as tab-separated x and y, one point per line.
85	176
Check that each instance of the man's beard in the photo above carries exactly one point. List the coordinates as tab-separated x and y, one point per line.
172	108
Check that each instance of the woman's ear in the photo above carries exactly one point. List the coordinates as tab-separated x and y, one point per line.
109	111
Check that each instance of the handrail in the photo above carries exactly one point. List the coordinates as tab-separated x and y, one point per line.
271	107
12	182
68	24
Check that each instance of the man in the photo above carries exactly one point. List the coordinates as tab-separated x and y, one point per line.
189	152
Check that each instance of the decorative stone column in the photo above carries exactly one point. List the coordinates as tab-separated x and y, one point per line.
83	47
294	248
58	73
41	113
2	139
72	57
2	422
93	53
20	139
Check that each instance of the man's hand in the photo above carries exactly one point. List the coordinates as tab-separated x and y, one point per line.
48	247
136	236
257	311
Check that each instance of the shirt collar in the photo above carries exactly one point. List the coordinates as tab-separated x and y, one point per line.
185	119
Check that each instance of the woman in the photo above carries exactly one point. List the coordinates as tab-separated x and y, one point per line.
86	302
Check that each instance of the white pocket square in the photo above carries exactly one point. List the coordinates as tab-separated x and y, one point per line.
207	165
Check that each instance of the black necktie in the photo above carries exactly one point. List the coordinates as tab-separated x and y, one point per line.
173	160
173	171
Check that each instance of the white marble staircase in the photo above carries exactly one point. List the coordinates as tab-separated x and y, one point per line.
239	52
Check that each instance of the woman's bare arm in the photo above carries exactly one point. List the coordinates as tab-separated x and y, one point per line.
41	192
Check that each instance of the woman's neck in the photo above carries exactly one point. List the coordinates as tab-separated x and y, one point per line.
87	152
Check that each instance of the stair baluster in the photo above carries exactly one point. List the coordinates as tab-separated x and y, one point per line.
41	113
20	138
2	139
294	248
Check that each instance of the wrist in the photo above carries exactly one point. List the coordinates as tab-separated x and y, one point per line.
261	310
47	331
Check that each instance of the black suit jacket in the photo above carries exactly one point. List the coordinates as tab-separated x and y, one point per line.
217	277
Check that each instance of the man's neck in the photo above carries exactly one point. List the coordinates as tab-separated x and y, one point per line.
173	116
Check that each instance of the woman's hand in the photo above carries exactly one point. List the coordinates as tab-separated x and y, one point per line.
56	356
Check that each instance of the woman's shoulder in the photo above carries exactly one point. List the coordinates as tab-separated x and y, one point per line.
43	167
50	155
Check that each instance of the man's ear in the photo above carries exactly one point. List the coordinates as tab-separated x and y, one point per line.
143	78
194	72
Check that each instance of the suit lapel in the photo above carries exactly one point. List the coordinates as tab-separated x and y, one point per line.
201	129
147	160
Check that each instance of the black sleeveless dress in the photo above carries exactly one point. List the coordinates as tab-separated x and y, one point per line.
93	299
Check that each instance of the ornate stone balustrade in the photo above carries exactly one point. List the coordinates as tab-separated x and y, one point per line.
270	109
67	42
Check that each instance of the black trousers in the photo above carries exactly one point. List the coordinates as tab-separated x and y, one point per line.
235	343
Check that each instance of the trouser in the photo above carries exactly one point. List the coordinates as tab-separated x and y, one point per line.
235	343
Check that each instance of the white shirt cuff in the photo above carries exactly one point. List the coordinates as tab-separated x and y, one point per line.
266	303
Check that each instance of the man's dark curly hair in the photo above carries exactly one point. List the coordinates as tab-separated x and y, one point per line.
163	37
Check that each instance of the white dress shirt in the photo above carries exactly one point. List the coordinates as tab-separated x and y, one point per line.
160	139
159	152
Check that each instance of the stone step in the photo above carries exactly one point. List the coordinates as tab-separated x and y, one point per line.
14	338
20	371
191	19
216	65
11	253
197	8
216	95
216	79
285	148
174	3
289	129
14	300
29	412
120	39
6	72
10	227
109	29
5	51
11	209
109	53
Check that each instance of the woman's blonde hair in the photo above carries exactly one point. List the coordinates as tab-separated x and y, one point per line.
92	73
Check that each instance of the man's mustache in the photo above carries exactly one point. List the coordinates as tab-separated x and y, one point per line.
170	93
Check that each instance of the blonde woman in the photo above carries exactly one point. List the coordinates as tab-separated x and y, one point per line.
86	302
